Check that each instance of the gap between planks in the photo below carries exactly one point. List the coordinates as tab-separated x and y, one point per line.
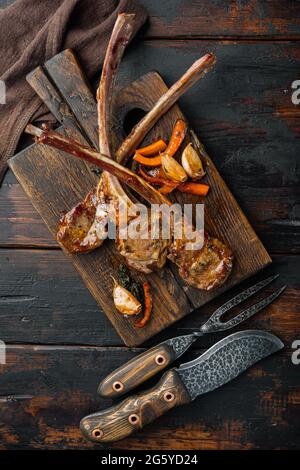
33	247
69	347
218	38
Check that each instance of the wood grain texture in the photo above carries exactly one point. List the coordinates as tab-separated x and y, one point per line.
45	392
136	411
43	301
71	82
212	18
95	268
137	371
266	19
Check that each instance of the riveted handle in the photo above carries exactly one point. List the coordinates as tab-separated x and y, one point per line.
136	371
135	412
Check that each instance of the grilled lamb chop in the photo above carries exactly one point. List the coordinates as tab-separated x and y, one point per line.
84	227
143	254
205	268
73	234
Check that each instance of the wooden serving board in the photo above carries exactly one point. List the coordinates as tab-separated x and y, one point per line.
55	182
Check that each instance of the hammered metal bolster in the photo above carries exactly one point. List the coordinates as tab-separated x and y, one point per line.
180	344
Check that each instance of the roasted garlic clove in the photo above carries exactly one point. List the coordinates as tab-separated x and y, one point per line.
192	163
124	301
172	169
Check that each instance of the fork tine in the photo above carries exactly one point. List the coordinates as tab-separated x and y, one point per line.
242	296
245	314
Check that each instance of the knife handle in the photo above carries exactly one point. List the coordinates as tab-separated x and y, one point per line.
135	412
136	371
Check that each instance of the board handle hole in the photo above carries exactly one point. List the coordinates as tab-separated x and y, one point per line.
132	118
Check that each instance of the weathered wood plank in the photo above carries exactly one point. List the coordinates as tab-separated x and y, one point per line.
45	391
43	300
212	18
71	82
44	88
20	223
273	213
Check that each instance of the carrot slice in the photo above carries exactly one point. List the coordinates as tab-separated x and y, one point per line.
176	140
194	188
177	137
147	161
166	189
148	306
153	149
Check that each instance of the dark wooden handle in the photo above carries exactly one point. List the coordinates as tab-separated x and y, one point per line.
135	412
136	371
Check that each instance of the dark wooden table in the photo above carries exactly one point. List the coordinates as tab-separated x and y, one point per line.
58	342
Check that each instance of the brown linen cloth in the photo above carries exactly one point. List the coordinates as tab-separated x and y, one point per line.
32	32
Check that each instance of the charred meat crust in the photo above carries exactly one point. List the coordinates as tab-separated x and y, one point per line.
79	229
207	268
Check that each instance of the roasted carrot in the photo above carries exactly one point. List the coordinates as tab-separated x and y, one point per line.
148	306
177	137
153	149
194	188
165	189
147	161
157	179
176	140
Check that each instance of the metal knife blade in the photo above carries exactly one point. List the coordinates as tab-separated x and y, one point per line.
223	362
226	360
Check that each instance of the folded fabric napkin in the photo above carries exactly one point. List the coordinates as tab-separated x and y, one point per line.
33	32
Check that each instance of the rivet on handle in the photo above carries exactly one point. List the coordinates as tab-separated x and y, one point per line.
97	433
134	419
160	360
118	386
169	396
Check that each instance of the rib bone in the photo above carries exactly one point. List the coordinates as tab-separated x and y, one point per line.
120	37
165	102
144	254
135	182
